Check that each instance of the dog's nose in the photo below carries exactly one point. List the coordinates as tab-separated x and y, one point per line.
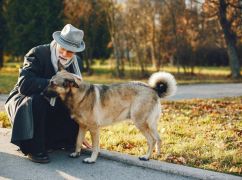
52	83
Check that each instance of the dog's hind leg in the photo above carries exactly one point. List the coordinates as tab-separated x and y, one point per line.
79	141
95	146
152	124
155	135
153	118
150	140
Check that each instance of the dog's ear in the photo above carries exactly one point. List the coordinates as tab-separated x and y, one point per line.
74	84
77	81
60	66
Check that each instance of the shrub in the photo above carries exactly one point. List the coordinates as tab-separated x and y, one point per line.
4	120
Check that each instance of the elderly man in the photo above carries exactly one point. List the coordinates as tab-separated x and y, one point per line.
40	123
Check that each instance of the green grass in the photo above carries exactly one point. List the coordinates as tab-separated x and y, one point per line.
205	134
200	133
4	121
104	74
8	77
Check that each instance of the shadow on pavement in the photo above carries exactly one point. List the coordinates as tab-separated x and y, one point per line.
19	167
14	166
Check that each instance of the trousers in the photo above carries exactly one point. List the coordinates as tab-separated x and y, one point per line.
53	127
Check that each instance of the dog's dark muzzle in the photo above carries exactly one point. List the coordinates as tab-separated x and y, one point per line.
49	90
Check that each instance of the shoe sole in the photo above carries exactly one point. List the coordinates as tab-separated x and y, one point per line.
39	161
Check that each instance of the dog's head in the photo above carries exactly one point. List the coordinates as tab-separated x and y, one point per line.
63	82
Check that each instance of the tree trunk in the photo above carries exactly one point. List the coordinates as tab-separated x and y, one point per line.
141	62
233	60
230	39
153	47
87	58
88	68
174	29
153	59
117	58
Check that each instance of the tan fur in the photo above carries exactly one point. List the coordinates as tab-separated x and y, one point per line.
95	106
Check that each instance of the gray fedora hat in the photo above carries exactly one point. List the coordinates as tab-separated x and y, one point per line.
70	38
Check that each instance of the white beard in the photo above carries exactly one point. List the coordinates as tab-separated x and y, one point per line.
63	61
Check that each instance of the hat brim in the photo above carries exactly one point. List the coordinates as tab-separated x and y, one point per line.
66	45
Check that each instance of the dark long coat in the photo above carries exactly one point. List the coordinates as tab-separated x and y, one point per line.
33	78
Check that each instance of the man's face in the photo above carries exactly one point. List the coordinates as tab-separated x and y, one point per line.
64	55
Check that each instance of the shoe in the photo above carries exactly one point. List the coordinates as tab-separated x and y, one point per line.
69	148
39	157
51	150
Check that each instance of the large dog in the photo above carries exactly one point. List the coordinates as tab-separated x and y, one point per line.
93	106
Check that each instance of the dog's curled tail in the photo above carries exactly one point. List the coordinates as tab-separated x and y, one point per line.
163	83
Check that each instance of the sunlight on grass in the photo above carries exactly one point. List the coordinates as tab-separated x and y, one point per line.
8	77
7	82
4	121
103	74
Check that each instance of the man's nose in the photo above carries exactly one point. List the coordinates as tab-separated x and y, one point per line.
64	53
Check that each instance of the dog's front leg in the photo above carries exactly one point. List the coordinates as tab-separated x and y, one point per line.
79	141
95	146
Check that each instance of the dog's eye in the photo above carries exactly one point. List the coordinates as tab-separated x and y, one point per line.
52	83
64	84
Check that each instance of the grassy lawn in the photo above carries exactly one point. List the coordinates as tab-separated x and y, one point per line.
199	133
8	78
104	74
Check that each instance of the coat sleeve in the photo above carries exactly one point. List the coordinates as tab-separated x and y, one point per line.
30	79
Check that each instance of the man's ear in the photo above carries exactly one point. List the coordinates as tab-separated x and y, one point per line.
60	66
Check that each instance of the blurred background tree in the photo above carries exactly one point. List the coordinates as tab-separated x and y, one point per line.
229	15
135	33
89	16
3	31
31	23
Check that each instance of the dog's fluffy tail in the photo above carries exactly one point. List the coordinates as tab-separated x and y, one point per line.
163	83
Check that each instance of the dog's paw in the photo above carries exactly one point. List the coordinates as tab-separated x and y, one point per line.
143	158
75	155
88	161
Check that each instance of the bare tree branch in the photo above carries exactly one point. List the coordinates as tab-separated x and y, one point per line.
214	2
215	14
235	6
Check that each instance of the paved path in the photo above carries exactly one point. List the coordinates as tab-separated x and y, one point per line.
13	165
207	91
190	91
3	98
